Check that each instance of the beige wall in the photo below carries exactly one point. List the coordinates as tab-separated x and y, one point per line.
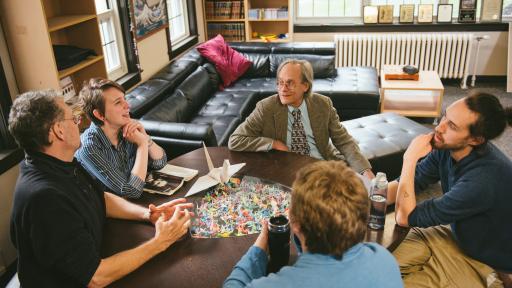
153	50
153	54
492	59
7	250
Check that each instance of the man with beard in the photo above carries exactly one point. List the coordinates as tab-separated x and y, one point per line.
462	238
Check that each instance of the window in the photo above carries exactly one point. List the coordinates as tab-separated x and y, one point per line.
328	10
111	39
350	11
182	31
178	20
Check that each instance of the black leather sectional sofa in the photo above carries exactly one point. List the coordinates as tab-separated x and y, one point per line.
181	106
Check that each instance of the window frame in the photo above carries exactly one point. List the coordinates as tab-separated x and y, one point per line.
186	21
304	21
324	19
133	75
175	49
114	14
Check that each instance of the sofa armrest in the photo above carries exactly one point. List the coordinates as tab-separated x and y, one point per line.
179	138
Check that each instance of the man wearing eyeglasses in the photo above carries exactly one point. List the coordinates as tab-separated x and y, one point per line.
59	210
299	121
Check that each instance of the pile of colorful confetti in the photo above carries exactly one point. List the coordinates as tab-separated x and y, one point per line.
237	207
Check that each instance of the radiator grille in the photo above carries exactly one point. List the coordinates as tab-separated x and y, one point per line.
447	53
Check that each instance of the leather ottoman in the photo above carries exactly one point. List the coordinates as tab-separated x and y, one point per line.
383	139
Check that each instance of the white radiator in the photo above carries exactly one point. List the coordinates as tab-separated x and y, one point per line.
446	53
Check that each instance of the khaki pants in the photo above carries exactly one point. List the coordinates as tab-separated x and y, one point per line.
430	257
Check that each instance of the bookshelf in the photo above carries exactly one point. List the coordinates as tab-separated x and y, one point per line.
32	32
248	20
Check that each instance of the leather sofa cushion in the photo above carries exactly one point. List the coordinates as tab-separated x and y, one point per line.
354	87
212	74
264	86
176	108
251	47
383	139
146	95
194	56
226	103
322	48
197	88
223	126
260	65
176	72
323	65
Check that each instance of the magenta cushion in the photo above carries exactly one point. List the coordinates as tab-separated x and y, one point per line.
229	63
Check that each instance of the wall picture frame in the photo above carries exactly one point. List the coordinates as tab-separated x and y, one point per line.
491	10
444	13
467	11
148	17
370	14
385	14
406	13
425	13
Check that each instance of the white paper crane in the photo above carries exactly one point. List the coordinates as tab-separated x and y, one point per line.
215	176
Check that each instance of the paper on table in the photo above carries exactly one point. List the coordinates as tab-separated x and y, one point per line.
215	176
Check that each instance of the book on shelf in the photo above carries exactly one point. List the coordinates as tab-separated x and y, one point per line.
224	10
230	31
268	13
168	180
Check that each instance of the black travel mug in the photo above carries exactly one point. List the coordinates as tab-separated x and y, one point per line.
278	242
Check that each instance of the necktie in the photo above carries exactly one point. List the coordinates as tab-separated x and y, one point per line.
299	140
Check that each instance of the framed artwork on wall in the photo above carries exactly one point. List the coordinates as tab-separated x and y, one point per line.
406	13
370	14
491	11
425	12
148	17
386	14
467	11
444	13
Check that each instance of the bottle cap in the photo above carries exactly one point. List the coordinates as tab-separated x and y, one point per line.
380	180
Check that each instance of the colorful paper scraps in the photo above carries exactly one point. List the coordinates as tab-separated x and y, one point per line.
236	208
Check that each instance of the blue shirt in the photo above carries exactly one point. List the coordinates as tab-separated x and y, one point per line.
313	151
363	265
112	165
477	195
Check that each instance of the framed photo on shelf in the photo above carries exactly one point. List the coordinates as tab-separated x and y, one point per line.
370	14
444	13
491	10
148	17
406	13
425	13
386	14
467	11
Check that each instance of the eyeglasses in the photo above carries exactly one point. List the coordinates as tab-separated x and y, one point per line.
76	118
290	84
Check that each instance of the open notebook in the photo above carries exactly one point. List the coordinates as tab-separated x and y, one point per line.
168	180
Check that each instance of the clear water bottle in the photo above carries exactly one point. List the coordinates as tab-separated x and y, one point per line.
378	197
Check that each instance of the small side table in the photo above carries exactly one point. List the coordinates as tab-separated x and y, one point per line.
422	98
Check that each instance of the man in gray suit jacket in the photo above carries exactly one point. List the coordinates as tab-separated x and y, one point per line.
299	121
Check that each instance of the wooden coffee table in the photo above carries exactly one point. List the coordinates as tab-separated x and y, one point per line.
207	262
422	98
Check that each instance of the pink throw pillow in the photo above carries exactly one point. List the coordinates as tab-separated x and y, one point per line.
229	63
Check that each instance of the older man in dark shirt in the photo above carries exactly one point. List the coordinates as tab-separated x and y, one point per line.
59	209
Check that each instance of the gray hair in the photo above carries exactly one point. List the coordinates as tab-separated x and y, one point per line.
306	72
32	115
